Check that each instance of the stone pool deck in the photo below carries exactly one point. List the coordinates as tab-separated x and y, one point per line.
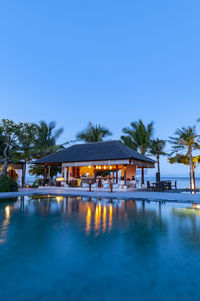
123	195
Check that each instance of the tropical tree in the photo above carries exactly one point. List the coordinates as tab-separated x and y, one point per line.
26	143
1	141
138	137
39	170
46	137
93	133
184	143
45	143
184	159
10	135
157	147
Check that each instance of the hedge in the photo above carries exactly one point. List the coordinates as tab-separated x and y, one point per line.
7	184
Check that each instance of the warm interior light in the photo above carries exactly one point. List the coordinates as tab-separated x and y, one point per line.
97	218
96	210
110	216
88	212
89	166
104	167
60	179
7	211
110	209
104	218
99	208
88	220
59	198
110	167
196	206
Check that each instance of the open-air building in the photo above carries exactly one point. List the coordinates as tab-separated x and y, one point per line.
96	162
15	170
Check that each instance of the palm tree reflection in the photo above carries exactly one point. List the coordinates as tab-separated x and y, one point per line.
188	225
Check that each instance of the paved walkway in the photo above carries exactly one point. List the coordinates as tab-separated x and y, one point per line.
125	195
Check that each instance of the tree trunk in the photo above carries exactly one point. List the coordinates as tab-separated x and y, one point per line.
24	174
142	176
194	177
192	181
4	169
5	161
158	164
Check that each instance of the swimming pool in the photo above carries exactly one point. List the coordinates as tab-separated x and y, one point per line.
72	248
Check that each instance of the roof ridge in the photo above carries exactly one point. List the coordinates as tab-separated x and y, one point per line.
94	142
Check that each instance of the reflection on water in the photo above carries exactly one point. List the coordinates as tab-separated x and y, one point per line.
4	225
53	248
98	217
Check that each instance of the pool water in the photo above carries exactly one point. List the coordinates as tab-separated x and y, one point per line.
64	248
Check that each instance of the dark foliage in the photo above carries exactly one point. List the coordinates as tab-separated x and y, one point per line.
7	184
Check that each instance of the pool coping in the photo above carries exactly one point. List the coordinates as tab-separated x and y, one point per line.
128	195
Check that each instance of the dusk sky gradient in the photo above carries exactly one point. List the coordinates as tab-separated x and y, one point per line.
109	62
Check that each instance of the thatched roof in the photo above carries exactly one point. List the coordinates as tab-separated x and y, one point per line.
96	151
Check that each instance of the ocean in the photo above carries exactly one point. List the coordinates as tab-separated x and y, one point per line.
182	182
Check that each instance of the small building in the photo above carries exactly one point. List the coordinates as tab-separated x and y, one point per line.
15	170
81	162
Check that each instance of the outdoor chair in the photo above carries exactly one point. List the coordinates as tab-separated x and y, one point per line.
116	185
121	183
106	185
149	187
95	185
132	184
174	185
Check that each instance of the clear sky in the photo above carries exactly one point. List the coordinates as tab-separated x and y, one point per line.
109	62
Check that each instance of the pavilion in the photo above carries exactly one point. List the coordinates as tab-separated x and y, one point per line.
84	161
15	170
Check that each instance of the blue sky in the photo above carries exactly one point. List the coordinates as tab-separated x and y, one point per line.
109	62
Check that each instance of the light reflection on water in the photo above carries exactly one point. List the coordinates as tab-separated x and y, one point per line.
57	248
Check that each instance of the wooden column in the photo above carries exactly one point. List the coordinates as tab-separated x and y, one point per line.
95	172
65	174
67	178
124	175
116	173
142	176
45	174
49	173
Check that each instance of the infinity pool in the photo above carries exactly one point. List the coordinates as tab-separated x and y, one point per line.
64	248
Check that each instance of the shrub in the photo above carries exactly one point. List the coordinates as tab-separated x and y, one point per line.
7	184
36	183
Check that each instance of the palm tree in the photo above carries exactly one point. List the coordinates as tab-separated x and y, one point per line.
184	143
157	147
138	137
93	133
46	137
45	142
27	140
